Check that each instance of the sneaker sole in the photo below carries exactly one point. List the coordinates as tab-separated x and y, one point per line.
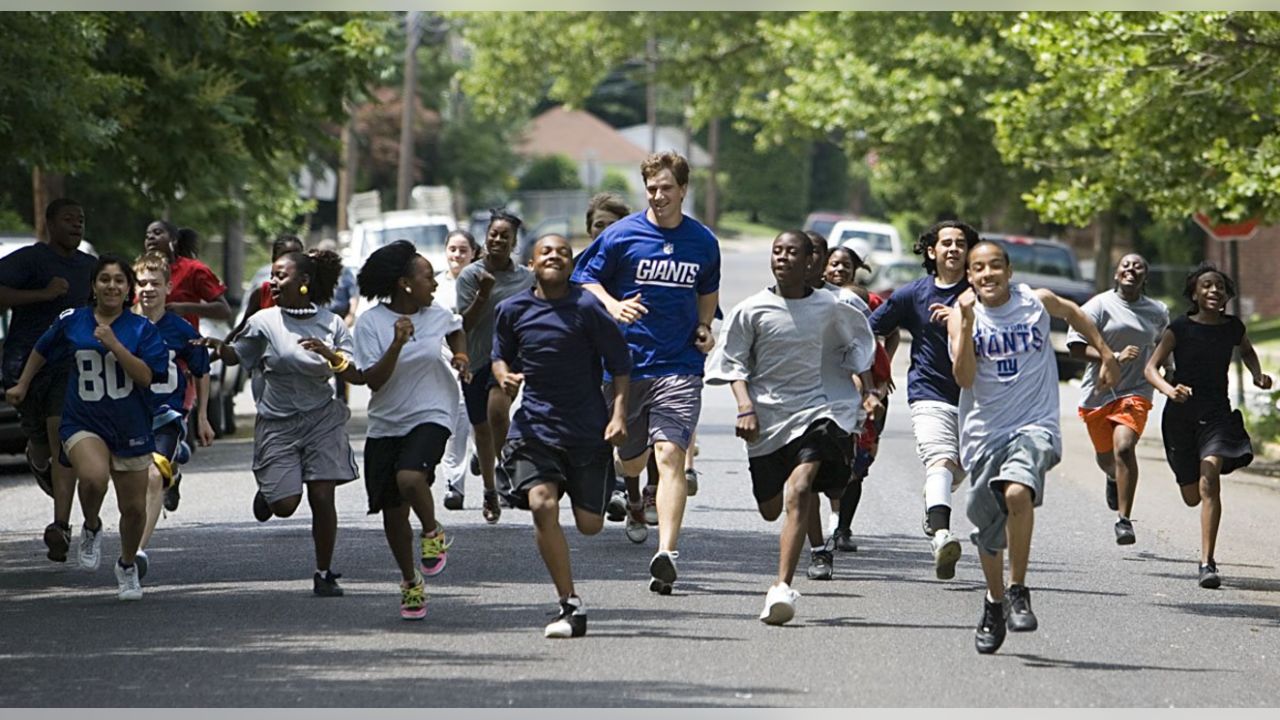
130	597
945	562
662	568
57	543
1126	539
429	572
638	538
413	614
660	587
778	613
143	562
1212	583
1023	625
820	576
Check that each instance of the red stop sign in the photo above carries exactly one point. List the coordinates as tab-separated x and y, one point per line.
1228	231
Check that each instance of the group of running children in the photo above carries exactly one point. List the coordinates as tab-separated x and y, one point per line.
604	357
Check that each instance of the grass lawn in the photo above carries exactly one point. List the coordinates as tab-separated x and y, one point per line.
735	225
1265	331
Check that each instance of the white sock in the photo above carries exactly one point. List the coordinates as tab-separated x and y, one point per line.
937	487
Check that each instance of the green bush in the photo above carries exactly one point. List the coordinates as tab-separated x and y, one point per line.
551	172
615	182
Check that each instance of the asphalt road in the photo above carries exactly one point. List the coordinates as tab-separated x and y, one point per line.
229	618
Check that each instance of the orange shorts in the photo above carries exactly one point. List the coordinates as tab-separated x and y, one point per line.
1130	411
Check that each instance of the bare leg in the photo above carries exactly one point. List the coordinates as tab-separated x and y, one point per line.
155	500
1211	508
486	452
552	545
798	506
395	525
816	538
131	498
1126	468
416	492
92	461
993	572
64	478
672	493
1018	498
324	521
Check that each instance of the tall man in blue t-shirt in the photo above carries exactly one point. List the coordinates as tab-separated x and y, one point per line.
38	282
658	273
922	308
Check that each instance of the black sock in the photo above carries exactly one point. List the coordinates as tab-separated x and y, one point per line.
849	504
940	517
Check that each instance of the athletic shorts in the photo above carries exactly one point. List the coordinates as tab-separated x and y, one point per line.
587	474
659	409
119	463
823	442
1130	411
302	448
937	430
1193	433
43	401
1025	460
475	395
419	451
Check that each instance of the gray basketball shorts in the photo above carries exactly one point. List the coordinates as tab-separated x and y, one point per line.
303	448
659	409
1025	460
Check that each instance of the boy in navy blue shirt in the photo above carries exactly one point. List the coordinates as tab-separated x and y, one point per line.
559	440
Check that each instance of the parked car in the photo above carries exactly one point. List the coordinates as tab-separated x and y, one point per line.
1049	264
425	229
821	221
887	278
875	242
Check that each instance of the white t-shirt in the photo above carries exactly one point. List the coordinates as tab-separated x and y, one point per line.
422	388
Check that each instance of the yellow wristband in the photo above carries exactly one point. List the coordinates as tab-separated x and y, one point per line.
340	366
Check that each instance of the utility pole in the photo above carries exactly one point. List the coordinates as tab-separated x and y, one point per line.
346	168
406	116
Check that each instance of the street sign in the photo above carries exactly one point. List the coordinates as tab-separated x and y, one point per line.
1228	231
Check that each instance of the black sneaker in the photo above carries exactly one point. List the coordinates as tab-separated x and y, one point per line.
1021	619
261	509
691	481
43	475
928	531
1124	532
821	565
172	494
58	540
571	621
475	465
616	510
843	541
991	630
326	585
1209	576
662	572
453	500
1113	495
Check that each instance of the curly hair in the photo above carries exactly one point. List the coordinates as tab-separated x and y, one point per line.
152	262
1193	278
929	238
377	278
322	268
187	243
285	244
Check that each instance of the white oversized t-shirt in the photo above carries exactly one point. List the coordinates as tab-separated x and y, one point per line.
422	388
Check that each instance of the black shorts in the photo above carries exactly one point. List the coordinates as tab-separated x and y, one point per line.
1193	433
475	395
587	474
43	401
420	451
824	442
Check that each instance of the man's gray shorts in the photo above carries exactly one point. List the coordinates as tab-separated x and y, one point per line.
1027	458
662	408
306	447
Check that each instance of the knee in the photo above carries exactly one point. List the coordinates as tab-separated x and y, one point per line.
1018	498
1126	452
1190	494
771	509
798	495
1210	486
589	524
545	506
288	506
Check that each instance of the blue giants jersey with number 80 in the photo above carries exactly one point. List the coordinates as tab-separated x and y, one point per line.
169	393
101	398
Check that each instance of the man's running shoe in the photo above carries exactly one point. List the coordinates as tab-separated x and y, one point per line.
453	500
141	561
662	569
779	605
261	508
691	481
58	540
571	622
991	628
435	552
616	510
43	475
129	582
90	551
1124	532
1209	576
843	540
821	565
637	530
326	585
1021	619
491	509
946	553
413	599
650	499
1113	495
172	495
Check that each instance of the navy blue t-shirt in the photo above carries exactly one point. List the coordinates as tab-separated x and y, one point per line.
31	268
930	376
170	393
560	345
668	269
101	397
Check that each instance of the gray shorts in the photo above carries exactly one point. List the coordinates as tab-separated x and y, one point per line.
662	408
1025	460
307	447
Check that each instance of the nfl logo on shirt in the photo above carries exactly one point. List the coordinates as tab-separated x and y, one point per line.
668	248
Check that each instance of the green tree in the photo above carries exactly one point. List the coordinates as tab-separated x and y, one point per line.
551	172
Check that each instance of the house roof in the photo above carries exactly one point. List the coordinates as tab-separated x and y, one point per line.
579	135
670	137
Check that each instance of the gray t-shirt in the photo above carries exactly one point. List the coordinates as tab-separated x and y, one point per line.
849	297
1121	323
422	388
774	343
1016	386
294	380
511	281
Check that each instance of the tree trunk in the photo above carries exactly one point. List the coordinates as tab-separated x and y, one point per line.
713	185
346	170
404	174
45	188
1104	233
233	257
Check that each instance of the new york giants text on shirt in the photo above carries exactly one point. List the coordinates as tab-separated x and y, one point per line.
1005	344
667	272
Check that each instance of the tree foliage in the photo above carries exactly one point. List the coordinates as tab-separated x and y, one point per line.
551	172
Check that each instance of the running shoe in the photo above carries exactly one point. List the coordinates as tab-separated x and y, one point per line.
616	510
821	565
475	465
924	525
691	481
991	629
662	569
141	561
90	552
435	552
1113	495
129	582
650	499
946	553
843	540
571	622
1209	576
453	500
1124	532
261	508
43	475
58	539
172	495
779	605
413	599
1021	619
637	530
491	510
326	585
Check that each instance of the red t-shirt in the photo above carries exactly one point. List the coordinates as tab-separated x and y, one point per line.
193	281
264	296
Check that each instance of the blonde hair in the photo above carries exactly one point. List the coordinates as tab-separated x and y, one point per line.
152	262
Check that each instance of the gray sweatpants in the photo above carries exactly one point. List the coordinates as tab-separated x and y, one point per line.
1025	460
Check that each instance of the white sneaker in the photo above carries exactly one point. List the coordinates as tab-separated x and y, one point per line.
662	571
946	553
572	621
835	521
779	605
637	529
130	586
650	499
89	553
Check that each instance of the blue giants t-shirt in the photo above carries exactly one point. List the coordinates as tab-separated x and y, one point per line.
169	393
101	397
668	269
560	345
930	376
31	268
